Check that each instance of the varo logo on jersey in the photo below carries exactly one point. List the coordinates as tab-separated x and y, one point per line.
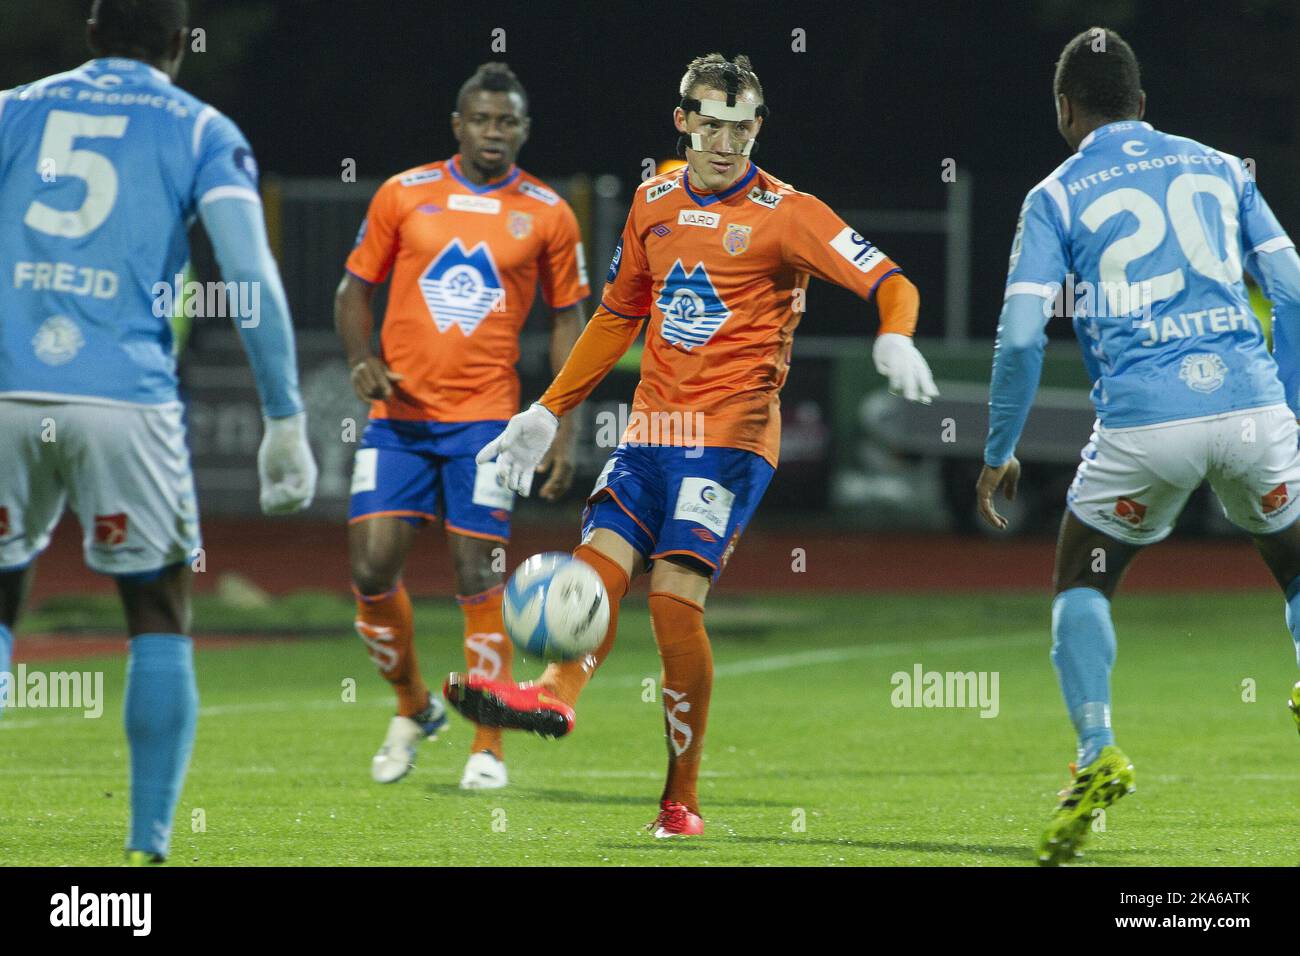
459	202
692	309
699	217
460	288
74	908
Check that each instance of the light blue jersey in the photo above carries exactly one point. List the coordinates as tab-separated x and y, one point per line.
102	170
1147	233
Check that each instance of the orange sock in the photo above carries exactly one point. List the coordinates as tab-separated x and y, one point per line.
678	626
566	679
488	652
387	627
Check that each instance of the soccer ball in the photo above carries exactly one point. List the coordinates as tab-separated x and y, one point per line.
555	607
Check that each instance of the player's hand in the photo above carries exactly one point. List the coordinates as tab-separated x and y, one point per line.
1006	477
559	462
285	466
519	449
898	359
372	380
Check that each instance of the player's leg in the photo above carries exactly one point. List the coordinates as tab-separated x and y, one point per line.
129	481
1128	492
615	541
479	568
393	493
31	502
1258	491
711	496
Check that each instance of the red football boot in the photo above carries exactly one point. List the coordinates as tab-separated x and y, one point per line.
493	703
676	820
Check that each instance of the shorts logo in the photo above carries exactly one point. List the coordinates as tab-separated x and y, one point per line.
736	239
110	530
520	224
1275	500
58	340
692	309
1130	512
365	470
704	502
699	217
1203	372
488	490
731	546
460	288
4	522
704	534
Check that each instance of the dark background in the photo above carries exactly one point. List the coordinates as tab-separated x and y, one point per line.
864	118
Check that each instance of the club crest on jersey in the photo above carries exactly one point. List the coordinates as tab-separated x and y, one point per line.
520	224
736	239
461	288
58	340
692	309
1203	372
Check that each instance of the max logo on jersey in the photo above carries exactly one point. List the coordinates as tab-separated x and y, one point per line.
692	309
461	288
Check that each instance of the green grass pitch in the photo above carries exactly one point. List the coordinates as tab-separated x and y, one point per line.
807	761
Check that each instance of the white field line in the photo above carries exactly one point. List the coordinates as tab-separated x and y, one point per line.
754	665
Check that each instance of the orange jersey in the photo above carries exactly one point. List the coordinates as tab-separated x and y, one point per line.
465	262
722	278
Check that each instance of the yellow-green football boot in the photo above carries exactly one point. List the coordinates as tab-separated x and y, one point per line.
143	858
1097	785
1294	704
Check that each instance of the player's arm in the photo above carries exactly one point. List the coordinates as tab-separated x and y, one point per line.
563	276
1272	260
817	241
231	211
558	464
368	265
610	333
1038	264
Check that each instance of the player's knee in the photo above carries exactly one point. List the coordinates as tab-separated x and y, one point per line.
370	576
475	574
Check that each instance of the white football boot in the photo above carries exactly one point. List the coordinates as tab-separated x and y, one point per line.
396	756
483	771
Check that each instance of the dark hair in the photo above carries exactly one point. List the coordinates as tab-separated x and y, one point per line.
495	78
1099	74
711	71
137	28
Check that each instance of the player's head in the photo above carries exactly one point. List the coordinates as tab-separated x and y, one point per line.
491	119
1097	82
148	30
720	114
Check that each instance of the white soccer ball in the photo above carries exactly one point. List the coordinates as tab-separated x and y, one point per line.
555	607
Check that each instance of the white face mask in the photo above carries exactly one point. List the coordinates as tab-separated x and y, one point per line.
720	130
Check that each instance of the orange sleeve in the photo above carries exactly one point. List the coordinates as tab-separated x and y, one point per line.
899	302
817	241
601	344
563	270
376	248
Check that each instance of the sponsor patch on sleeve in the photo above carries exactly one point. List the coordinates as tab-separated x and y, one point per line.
857	250
539	193
424	176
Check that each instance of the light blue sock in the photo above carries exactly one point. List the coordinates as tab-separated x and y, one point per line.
1083	652
162	703
1293	615
6	656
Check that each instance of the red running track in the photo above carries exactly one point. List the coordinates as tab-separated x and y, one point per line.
286	555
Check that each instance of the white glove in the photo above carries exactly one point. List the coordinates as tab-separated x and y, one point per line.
897	359
521	447
285	466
